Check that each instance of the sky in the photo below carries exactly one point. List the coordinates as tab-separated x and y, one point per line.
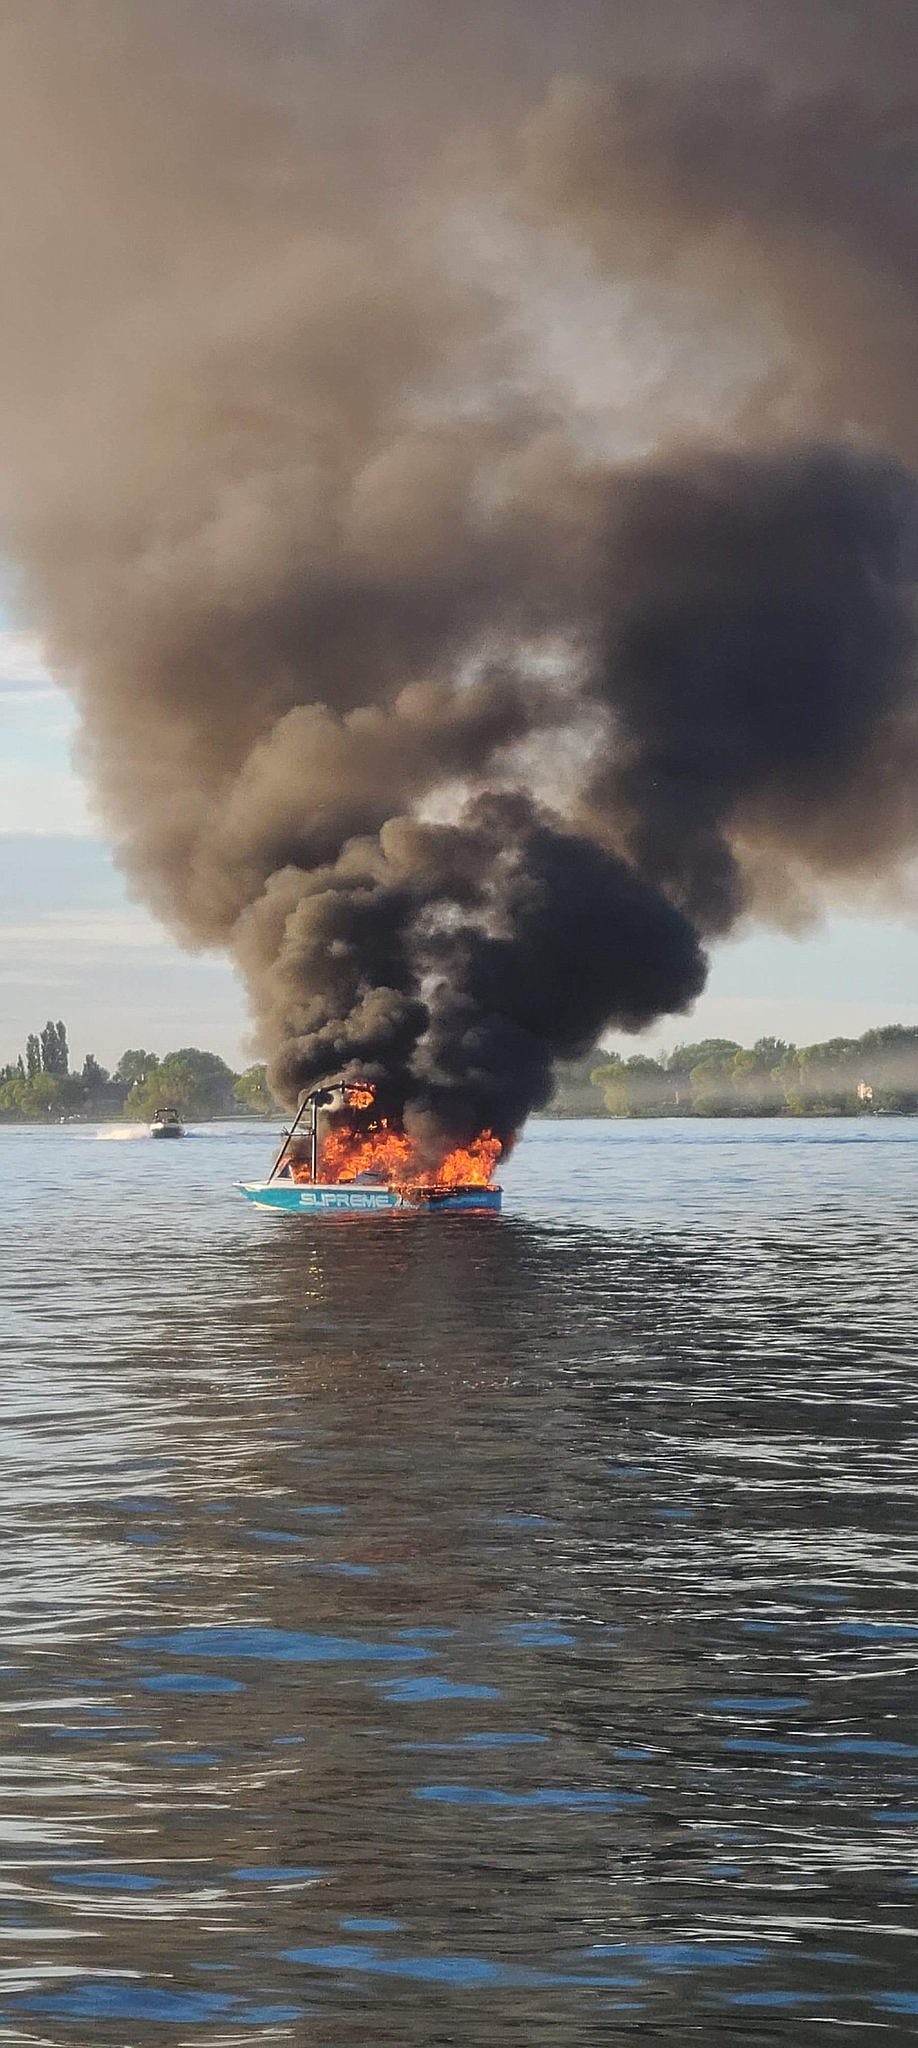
73	944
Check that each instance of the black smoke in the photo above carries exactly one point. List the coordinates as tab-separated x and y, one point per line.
459	460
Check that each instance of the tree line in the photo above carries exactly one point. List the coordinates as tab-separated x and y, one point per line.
41	1085
874	1074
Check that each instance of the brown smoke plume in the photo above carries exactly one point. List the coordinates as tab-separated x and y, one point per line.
459	458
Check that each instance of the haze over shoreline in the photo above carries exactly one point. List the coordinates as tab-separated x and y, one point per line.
876	1074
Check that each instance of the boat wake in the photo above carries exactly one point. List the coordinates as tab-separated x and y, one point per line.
119	1136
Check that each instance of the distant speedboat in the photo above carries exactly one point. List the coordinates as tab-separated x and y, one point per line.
167	1124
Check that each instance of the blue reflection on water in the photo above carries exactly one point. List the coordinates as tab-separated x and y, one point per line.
419	1690
753	1705
839	1746
545	1796
463	1972
108	2001
782	2000
685	1955
191	1681
274	1645
539	1635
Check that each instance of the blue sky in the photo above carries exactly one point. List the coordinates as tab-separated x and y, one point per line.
73	945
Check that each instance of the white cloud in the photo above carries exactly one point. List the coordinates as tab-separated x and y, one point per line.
39	799
39	791
69	938
22	663
107	968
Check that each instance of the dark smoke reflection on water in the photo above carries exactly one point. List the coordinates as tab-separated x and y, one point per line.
361	356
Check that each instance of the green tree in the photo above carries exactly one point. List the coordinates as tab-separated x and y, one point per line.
895	1101
772	1052
52	1094
609	1078
888	1062
684	1057
33	1056
891	1038
573	1093
828	1077
44	1096
709	1057
55	1055
213	1080
135	1065
92	1075
197	1084
12	1095
756	1079
636	1087
648	1086
171	1085
714	1085
252	1091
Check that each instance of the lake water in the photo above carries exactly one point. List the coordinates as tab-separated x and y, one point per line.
462	1630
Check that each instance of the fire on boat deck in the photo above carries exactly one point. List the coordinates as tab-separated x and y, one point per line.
360	1161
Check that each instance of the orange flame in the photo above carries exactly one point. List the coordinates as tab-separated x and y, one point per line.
390	1156
360	1095
347	1153
472	1167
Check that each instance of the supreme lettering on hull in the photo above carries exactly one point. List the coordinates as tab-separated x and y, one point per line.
317	1199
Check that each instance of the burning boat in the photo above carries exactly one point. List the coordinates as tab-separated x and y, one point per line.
341	1153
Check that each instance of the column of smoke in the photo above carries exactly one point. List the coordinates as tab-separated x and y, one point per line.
459	458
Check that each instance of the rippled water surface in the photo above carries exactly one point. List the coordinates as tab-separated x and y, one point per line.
455	1629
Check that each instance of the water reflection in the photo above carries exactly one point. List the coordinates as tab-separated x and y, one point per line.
493	1633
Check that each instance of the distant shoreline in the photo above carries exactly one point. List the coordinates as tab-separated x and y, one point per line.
539	1116
715	1116
712	1079
126	1123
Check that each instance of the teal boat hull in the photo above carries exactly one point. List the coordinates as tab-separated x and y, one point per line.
313	1198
